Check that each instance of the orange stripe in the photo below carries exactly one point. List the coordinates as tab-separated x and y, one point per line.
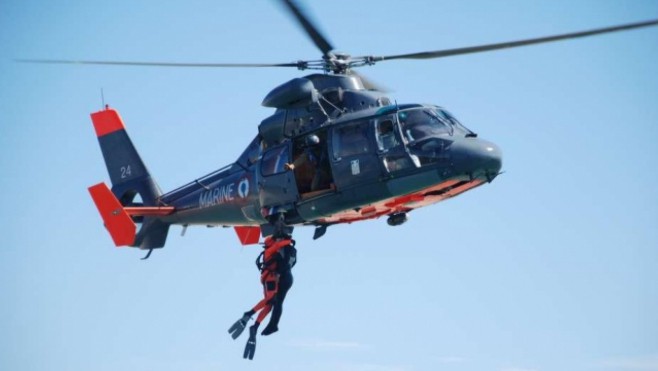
149	211
404	203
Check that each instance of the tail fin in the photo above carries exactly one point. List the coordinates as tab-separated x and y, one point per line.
129	177
127	172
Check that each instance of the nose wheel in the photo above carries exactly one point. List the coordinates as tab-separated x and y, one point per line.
396	219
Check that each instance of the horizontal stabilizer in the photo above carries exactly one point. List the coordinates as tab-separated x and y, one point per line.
116	219
248	235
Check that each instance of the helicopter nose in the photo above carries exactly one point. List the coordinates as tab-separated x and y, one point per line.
477	157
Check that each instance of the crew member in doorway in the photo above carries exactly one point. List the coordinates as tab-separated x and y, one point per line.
275	264
314	155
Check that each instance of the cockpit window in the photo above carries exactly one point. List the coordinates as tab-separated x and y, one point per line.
421	123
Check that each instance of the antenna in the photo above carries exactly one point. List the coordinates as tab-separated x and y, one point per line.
103	106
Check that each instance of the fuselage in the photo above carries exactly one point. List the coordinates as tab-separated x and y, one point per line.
373	162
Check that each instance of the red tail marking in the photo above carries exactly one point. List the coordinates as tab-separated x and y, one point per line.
116	219
106	122
248	235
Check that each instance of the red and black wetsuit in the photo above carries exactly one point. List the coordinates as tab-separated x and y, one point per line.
277	260
275	277
286	260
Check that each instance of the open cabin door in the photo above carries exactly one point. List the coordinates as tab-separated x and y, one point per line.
311	164
277	185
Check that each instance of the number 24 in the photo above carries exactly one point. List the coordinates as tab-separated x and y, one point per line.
125	172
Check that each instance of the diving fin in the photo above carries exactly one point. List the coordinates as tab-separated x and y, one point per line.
239	325
250	348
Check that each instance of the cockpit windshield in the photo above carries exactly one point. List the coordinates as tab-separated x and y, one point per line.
420	123
458	125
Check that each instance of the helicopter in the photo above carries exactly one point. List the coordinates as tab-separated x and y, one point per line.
336	150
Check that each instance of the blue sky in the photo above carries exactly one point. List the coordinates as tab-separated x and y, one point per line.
550	267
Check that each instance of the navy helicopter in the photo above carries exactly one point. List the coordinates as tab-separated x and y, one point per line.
336	150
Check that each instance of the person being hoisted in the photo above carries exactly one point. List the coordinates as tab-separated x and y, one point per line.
275	264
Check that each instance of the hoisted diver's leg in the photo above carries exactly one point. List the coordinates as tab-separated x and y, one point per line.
270	287
250	348
285	282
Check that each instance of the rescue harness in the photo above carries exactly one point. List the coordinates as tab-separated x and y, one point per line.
284	260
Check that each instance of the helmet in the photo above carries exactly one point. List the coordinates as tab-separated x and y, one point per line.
312	140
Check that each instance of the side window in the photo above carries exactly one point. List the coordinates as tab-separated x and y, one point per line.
274	160
351	139
385	133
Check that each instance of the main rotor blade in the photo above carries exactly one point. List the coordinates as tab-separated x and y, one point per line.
514	44
320	41
157	64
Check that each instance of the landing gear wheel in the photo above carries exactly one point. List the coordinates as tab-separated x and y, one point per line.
397	219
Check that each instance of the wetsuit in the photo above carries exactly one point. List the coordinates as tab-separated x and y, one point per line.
270	268
277	260
285	261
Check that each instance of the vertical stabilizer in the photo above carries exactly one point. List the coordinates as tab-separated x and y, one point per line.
127	171
129	177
